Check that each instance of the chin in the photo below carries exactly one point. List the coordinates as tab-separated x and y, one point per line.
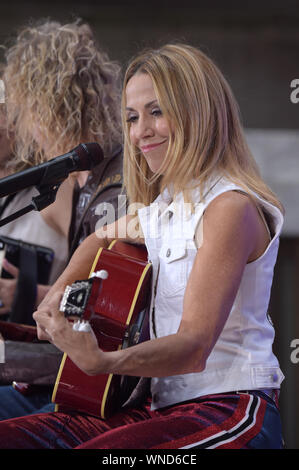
154	166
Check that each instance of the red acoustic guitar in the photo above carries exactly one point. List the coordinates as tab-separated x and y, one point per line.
114	302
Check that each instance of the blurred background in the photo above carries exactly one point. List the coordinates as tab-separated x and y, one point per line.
257	48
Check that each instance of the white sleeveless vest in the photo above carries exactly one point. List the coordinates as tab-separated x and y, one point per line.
242	358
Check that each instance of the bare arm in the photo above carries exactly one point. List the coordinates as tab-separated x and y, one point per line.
58	214
231	239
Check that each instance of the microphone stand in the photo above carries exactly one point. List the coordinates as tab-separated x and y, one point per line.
46	197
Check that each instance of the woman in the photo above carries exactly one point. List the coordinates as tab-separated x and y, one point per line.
211	228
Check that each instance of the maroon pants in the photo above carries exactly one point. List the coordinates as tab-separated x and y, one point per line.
228	420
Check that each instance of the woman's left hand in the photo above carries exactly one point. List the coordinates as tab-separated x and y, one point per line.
81	346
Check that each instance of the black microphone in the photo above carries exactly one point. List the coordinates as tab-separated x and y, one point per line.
53	172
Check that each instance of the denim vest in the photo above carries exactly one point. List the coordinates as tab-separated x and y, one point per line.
242	357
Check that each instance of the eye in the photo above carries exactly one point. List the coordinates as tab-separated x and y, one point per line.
132	118
156	112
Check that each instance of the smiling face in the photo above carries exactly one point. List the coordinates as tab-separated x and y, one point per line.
149	130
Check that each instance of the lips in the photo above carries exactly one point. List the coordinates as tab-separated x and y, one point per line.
149	147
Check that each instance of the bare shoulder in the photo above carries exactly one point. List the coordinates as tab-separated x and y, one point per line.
232	206
232	221
231	200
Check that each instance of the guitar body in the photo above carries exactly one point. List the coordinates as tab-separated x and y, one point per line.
116	309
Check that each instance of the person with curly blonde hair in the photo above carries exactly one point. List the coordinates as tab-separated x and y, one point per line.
211	228
61	90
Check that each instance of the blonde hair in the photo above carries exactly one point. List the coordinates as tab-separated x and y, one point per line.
206	136
58	82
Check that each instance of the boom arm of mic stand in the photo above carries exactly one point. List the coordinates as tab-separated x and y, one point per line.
46	197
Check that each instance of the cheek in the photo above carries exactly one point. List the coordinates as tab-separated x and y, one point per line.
132	136
162	128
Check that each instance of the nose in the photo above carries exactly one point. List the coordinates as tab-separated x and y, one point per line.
143	128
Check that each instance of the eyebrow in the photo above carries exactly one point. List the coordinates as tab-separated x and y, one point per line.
147	105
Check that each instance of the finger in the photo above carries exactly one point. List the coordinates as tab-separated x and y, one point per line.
42	320
10	268
42	334
42	317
